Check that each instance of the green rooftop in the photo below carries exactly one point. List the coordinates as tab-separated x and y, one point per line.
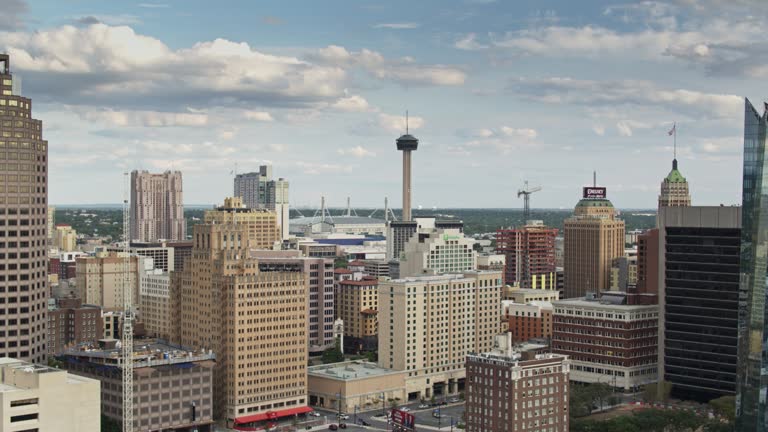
594	202
674	176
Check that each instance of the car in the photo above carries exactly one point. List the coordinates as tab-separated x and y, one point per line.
404	409
342	425
333	427
343	416
453	400
363	422
314	414
443	403
422	406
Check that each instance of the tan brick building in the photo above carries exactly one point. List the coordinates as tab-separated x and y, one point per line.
100	278
254	321
358	305
155	303
428	325
356	386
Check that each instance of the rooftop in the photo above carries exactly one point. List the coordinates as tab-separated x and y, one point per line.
443	277
594	202
351	370
338	220
598	304
145	353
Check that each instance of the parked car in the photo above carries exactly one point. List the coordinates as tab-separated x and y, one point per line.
314	414
454	400
343	416
404	409
333	427
422	406
363	422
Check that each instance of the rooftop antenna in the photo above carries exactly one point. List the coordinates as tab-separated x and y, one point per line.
406	122
594	178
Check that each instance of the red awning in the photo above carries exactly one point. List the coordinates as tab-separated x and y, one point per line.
272	415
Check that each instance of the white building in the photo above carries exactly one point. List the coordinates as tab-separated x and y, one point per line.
155	303
40	398
437	251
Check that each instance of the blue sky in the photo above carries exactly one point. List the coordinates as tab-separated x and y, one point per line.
498	91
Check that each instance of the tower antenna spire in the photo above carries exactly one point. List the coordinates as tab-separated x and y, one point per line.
594	178
406	122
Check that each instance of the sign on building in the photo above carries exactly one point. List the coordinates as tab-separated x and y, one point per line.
592	192
403	420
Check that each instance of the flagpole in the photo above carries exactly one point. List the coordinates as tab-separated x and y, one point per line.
675	137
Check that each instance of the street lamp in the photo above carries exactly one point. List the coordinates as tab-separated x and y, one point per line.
355	414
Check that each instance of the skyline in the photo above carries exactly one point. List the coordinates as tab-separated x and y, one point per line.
322	97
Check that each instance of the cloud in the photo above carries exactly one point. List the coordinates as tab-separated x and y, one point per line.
144	118
113	20
721	145
357	151
154	5
397	26
397	123
12	16
352	103
624	129
627	92
403	70
519	133
312	168
106	65
598	130
503	139
261	116
469	43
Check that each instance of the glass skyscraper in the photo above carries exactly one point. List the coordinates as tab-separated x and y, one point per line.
753	356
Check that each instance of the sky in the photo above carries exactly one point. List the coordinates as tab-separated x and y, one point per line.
498	92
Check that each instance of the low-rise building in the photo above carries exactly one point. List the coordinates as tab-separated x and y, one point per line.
607	343
40	398
173	386
506	392
72	323
526	321
377	268
354	386
527	295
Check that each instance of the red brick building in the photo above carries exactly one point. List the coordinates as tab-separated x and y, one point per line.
530	252
528	321
647	289
507	393
73	323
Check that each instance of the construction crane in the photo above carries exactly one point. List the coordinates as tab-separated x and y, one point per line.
526	192
127	334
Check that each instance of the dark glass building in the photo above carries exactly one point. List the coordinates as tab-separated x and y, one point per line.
752	381
700	250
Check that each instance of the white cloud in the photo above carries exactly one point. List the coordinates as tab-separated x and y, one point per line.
227	135
519	133
397	123
469	43
397	26
313	168
113	20
277	148
624	129
403	70
598	130
357	151
261	116
154	5
352	103
144	118
503	139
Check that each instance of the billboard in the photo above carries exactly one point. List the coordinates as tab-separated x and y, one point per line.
593	192
404	419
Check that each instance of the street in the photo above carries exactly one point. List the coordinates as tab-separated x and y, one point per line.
424	417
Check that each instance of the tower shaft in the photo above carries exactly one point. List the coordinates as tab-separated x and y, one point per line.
406	185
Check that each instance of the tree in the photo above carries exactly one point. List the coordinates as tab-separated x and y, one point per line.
333	355
372	356
657	392
580	401
724	406
600	392
340	262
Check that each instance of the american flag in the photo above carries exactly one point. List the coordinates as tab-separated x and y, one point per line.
673	130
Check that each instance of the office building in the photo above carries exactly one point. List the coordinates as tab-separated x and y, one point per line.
277	201
495	262
624	271
318	273
527	295
399	232
354	386
698	330
40	398
65	238
607	343
70	323
51	224
256	324
157	206
100	279
252	187
506	392
530	255
674	189
163	253
173	385
428	324
437	251
526	321
377	268
357	304
751	384
648	265
594	237
155	303
23	212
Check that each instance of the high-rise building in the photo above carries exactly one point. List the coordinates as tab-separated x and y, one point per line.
51	224
65	238
155	303
357	304
157	206
100	278
428	325
648	265
752	382
70	322
593	238
23	211
674	189
699	291
252	187
277	201
530	255
41	398
437	251
399	232
254	320
506	392
607	343
318	273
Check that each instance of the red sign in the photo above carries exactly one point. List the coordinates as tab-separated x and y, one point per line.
403	419
592	192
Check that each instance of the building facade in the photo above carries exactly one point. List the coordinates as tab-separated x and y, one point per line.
428	324
261	224
277	201
23	213
752	379
40	398
65	238
400	232
357	304
530	252
699	249
354	386
594	237
173	386
252	187
437	251
101	278
526	321
254	321
648	264
674	189
507	393
72	323
155	303
157	206
607	343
